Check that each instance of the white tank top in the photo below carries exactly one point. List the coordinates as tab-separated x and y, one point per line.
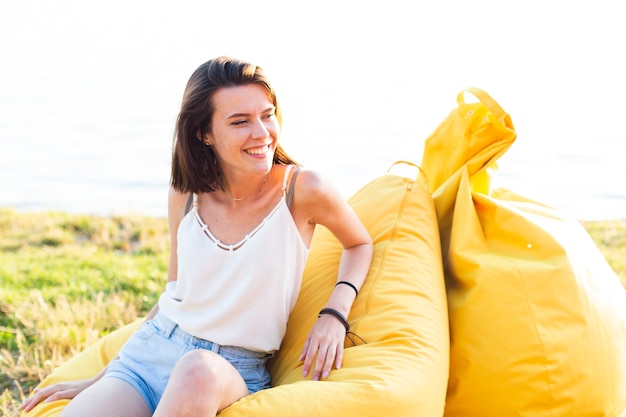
240	294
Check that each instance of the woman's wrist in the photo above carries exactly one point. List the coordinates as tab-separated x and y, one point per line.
348	284
336	314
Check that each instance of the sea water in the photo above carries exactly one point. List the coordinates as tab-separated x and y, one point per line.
121	164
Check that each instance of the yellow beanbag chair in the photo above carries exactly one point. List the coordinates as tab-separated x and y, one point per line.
401	313
537	317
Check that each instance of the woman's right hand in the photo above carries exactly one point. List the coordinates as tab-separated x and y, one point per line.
60	391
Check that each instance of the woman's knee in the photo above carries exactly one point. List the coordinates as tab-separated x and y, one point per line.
198	367
204	380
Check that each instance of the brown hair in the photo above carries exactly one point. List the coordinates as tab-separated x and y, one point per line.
194	166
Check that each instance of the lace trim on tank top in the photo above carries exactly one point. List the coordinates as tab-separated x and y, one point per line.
238	245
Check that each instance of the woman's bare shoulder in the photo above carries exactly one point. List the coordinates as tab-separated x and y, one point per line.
177	202
315	193
311	182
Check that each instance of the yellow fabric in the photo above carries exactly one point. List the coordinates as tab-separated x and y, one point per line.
401	312
537	317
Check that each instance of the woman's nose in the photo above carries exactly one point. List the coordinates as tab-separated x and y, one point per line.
259	130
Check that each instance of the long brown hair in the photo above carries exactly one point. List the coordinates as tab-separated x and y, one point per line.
194	165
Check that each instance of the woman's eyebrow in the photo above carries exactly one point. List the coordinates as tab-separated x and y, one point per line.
235	115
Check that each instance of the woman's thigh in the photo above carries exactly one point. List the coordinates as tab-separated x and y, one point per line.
108	397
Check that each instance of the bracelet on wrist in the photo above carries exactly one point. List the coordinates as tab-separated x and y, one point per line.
337	315
349	284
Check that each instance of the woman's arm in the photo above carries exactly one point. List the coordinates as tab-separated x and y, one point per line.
317	201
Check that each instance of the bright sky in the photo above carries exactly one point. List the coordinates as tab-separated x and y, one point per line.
548	53
345	70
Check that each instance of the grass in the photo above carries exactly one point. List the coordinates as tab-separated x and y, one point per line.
67	280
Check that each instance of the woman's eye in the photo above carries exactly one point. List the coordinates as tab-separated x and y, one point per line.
238	122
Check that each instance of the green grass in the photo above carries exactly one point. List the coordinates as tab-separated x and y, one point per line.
66	280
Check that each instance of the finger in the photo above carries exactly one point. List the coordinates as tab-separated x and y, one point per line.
328	363
308	359
26	405
319	363
339	357
31	402
59	395
47	391
305	348
47	394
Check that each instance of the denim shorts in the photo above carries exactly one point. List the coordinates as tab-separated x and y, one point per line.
148	357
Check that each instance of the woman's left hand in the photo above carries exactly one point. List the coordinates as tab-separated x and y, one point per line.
60	391
325	341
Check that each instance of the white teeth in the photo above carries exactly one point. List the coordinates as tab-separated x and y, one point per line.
258	151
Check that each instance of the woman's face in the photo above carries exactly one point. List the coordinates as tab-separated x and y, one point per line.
244	129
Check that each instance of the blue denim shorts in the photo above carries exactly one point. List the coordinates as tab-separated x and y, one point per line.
148	357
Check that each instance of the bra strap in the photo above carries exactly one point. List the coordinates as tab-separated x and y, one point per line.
286	177
291	187
189	202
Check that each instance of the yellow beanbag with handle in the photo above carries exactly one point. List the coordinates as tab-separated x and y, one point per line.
401	314
537	316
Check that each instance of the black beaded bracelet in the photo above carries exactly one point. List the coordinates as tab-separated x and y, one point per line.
349	284
337	315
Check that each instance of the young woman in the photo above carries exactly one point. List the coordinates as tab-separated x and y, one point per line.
241	215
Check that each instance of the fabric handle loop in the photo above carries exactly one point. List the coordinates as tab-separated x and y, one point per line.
421	174
484	98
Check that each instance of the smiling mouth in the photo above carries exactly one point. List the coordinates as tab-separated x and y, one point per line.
258	151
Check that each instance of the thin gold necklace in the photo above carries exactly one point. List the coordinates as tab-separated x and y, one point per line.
259	190
237	199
